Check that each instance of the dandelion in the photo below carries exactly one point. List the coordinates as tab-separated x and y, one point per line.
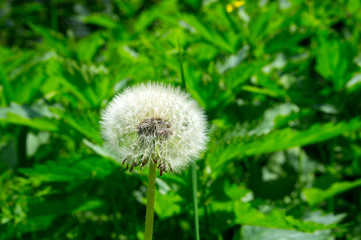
154	122
157	126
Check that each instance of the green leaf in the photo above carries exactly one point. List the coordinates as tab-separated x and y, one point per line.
167	205
100	20
51	39
88	46
208	33
262	233
354	83
33	142
129	8
315	196
281	140
71	170
100	150
37	117
243	213
85	123
89	83
264	91
8	91
333	61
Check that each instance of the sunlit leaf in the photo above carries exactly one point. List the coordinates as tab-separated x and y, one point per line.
281	140
315	196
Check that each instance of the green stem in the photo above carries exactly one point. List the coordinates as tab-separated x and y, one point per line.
149	217
194	184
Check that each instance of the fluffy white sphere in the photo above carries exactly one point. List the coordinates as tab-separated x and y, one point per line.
154	122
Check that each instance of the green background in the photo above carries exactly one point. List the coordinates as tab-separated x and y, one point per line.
280	82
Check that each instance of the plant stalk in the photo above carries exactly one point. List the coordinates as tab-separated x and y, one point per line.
195	202
149	216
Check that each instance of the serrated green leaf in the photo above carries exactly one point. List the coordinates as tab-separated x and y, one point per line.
86	168
315	196
281	140
243	213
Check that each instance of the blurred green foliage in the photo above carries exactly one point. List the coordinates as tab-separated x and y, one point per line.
280	82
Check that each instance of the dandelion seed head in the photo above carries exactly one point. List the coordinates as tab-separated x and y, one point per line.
154	122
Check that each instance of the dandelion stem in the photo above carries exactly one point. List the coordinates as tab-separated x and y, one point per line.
149	217
194	185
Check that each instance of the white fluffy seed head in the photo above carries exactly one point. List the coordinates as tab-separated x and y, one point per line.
154	122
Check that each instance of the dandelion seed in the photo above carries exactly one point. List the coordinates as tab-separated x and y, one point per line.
154	123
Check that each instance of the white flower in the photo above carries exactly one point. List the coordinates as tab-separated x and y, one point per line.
154	122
